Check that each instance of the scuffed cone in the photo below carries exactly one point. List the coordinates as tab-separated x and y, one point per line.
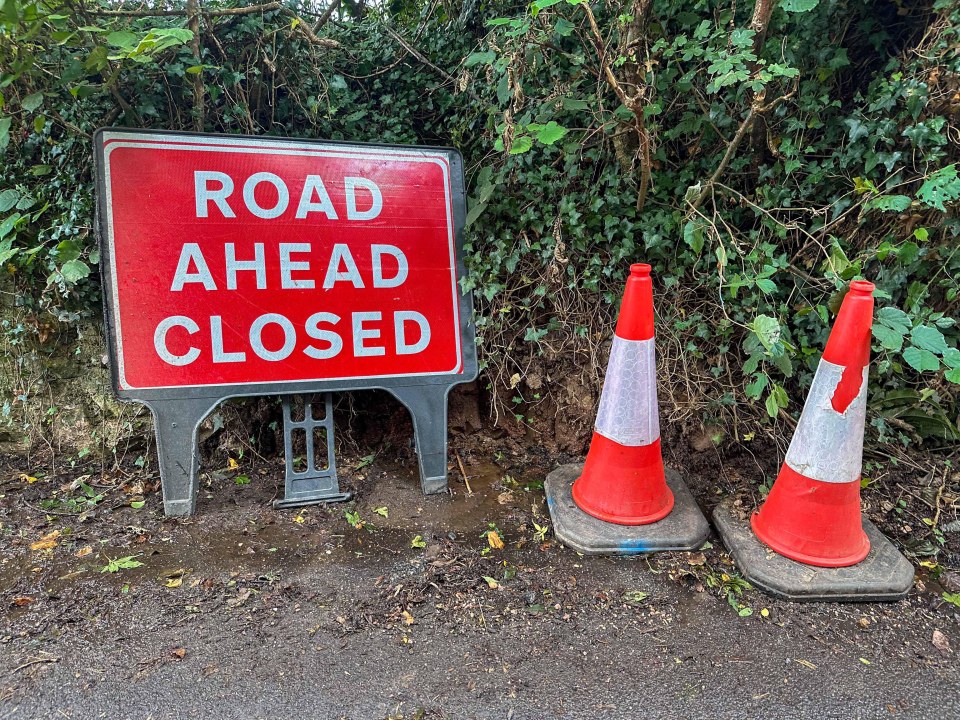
812	514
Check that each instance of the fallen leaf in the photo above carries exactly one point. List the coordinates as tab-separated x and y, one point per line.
493	537
174	582
22	601
27	478
83	552
697	559
47	542
407	618
505	498
807	664
232	464
865	661
178	653
940	642
491	582
299	519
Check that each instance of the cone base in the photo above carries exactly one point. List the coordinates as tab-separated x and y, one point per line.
622	484
884	575
685	528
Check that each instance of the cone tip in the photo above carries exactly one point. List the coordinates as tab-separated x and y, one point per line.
862	287
640	270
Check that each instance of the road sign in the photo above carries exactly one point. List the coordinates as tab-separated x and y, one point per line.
238	266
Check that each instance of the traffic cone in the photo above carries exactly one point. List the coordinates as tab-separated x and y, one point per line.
622	500
823	549
623	481
812	514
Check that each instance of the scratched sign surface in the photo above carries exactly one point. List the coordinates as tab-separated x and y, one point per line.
239	261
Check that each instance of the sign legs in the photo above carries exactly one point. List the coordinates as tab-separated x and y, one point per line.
176	424
428	408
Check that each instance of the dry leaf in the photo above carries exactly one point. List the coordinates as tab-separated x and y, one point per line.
178	653
232	464
47	542
84	551
940	642
491	582
27	478
22	601
505	498
174	582
407	618
299	519
697	559
493	537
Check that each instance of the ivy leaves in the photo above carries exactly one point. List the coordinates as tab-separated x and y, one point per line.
926	346
940	187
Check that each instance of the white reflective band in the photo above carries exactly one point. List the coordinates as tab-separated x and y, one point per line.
827	445
628	412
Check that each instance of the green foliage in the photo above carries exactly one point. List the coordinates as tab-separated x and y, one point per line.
844	168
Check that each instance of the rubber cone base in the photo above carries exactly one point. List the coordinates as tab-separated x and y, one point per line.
884	575
685	528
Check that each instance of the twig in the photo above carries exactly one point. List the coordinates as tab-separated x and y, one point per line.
463	472
756	108
35	661
417	54
331	8
308	32
193	24
943	484
634	102
186	12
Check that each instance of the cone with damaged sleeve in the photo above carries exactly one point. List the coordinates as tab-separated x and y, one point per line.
822	548
622	500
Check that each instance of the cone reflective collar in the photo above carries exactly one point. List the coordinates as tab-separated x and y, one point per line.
623	479
812	514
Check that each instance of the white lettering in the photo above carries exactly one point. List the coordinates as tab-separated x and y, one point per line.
234	266
342	252
250	200
160	340
400	318
289	337
191	251
288	266
216	341
314	331
360	333
203	194
314	184
350	185
403	268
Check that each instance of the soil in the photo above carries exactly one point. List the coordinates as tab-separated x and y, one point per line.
397	605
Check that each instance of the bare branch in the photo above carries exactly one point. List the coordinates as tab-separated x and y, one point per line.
265	7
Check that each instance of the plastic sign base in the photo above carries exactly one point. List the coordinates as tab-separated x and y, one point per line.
685	528
884	575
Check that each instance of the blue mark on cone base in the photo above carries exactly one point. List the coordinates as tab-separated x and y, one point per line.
633	546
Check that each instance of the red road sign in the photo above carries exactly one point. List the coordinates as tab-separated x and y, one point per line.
237	261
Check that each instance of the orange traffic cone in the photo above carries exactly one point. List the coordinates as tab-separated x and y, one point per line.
623	478
812	514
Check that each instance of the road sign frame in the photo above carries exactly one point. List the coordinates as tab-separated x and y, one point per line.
178	411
